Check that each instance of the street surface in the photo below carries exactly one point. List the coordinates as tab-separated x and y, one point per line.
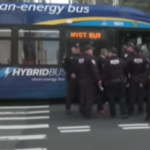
24	127
42	127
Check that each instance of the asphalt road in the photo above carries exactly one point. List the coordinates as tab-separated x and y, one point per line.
24	127
45	127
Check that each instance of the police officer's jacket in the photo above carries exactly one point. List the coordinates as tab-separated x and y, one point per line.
127	55
69	64
86	68
136	66
100	63
114	68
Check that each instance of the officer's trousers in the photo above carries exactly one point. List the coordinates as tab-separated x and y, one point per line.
148	102
72	92
136	95
113	89
101	99
87	91
127	96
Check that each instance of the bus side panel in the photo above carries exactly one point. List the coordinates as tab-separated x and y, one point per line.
16	82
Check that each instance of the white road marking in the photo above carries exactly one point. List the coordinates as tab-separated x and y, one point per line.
23	137
131	125
30	149
72	127
11	127
24	118
75	130
24	112
24	107
135	128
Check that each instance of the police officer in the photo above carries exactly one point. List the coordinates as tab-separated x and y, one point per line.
129	52
136	67
72	84
147	82
88	77
114	77
101	93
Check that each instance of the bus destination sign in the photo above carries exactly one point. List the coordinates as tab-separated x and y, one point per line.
85	35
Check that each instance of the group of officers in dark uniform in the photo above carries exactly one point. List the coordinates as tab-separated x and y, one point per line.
108	78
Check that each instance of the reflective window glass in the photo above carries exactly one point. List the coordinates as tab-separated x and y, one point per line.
39	33
5	51
5	32
38	52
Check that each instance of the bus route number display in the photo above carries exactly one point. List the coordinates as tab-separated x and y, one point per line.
85	35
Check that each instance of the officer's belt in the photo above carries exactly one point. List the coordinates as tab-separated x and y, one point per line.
115	80
135	75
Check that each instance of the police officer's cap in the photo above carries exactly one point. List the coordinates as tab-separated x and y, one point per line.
88	47
113	50
76	45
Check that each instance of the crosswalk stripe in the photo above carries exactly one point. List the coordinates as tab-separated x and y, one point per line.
73	127
24	118
36	126
76	130
24	112
29	149
135	128
131	125
22	137
24	107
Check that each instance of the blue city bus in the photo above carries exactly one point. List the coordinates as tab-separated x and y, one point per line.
34	38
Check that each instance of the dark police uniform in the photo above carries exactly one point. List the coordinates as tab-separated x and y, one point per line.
101	94
88	77
147	82
72	84
100	63
114	77
126	56
136	67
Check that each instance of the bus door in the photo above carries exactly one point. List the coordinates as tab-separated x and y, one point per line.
140	38
98	45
